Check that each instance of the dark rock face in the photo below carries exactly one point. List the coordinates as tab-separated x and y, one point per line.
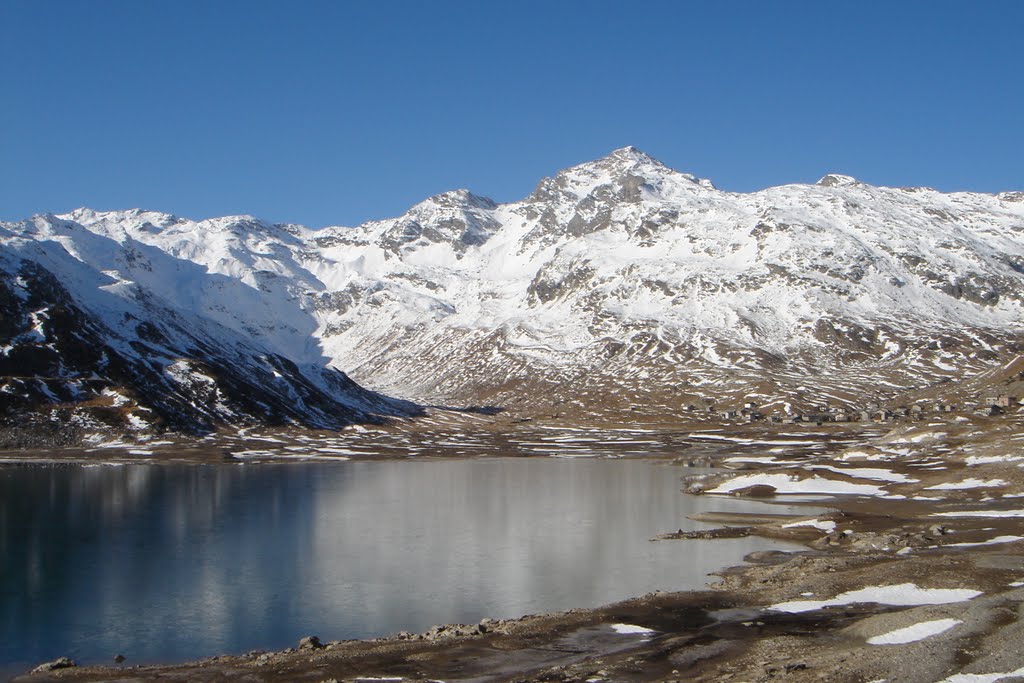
65	374
848	336
560	278
459	218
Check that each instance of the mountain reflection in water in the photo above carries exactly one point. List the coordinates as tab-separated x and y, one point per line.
166	563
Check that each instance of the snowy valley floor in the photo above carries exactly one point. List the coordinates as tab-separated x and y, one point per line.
916	574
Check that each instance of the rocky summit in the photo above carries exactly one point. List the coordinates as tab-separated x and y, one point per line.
619	286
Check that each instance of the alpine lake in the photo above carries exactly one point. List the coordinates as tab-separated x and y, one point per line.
163	563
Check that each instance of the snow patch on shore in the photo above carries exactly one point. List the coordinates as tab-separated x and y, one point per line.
904	594
760	459
827	526
915	632
992	541
784	483
989	459
981	513
983	678
875	473
966	484
632	629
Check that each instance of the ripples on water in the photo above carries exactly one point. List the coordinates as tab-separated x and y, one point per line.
166	563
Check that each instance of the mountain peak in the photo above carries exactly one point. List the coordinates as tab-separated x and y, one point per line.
630	161
837	180
460	198
623	167
86	216
631	154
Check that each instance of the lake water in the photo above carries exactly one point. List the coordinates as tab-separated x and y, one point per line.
165	563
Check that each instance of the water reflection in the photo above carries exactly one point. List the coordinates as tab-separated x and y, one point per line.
165	563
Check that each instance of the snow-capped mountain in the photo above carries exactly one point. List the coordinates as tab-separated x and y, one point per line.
100	333
616	284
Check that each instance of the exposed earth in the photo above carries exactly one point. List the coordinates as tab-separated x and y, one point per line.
915	575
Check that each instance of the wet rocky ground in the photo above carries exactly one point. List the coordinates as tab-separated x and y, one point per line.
916	574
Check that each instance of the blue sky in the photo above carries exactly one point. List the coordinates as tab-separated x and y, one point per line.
339	112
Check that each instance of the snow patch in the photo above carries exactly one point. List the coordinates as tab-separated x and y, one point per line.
878	474
904	594
827	526
983	678
966	484
785	483
992	541
632	629
981	513
915	632
989	459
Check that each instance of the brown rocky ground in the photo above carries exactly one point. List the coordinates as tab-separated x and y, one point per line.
911	529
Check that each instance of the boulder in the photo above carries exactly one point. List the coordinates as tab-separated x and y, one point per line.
59	663
310	643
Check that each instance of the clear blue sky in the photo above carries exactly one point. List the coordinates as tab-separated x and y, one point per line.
338	112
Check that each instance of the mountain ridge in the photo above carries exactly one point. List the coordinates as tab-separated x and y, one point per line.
840	179
617	285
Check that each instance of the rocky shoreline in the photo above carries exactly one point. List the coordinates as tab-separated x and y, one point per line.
933	545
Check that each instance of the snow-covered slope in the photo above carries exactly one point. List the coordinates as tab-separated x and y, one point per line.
617	283
623	284
100	333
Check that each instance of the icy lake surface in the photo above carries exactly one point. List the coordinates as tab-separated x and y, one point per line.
165	563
